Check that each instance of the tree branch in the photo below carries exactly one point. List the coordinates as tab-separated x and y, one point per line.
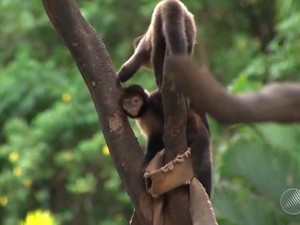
275	102
96	68
175	114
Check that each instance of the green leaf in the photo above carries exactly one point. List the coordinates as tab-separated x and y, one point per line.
237	205
268	170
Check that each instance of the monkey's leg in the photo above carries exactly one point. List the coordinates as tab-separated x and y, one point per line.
190	32
199	142
203	117
201	161
158	52
174	29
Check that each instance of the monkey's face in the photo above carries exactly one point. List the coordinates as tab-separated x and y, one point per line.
132	105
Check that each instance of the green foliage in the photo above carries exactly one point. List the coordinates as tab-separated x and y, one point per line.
53	155
260	165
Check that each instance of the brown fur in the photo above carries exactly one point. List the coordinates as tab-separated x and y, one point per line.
172	29
150	119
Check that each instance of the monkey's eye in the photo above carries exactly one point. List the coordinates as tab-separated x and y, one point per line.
136	100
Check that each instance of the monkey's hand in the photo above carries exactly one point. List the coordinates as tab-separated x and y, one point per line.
131	66
124	73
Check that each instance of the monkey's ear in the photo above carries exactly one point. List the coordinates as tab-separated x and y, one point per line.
137	41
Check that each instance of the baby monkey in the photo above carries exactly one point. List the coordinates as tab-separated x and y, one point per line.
172	31
148	111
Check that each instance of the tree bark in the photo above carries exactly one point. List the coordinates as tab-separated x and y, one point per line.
94	63
96	68
175	140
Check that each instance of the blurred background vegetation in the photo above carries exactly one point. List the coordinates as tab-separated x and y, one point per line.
53	157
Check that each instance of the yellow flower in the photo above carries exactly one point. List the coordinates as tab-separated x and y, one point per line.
105	150
66	97
39	217
241	44
3	200
68	156
27	182
13	156
17	171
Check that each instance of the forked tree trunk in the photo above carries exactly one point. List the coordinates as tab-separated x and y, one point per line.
95	65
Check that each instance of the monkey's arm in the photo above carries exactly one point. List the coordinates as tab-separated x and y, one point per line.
129	68
155	144
158	58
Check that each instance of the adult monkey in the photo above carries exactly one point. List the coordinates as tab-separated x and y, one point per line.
172	30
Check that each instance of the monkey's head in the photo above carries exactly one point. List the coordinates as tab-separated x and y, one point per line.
133	100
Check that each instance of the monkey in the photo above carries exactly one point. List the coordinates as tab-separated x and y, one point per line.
148	111
172	31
